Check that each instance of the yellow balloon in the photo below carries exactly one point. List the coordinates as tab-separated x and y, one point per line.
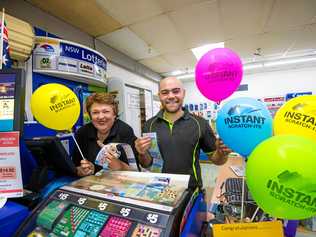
55	106
297	117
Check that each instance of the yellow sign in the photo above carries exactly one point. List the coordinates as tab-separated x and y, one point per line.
258	229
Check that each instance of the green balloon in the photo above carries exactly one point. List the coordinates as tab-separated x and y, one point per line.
281	176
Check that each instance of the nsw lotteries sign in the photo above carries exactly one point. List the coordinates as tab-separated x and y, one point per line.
69	60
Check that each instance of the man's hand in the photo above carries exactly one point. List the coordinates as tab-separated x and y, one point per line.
142	145
221	148
85	168
219	157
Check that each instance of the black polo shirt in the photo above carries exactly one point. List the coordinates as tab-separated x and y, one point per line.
86	137
180	143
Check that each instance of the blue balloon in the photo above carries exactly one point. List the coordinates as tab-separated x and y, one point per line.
243	123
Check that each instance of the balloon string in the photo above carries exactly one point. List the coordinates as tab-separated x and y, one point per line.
78	146
254	214
243	193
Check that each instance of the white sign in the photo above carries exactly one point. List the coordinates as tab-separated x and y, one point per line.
10	166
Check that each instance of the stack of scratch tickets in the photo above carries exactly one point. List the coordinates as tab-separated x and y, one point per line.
114	147
101	157
154	153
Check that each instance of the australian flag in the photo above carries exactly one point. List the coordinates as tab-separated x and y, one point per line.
6	60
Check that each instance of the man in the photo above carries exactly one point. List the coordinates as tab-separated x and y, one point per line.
180	136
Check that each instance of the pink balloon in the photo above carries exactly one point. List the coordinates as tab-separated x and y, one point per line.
218	73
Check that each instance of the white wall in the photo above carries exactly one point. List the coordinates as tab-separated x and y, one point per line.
260	85
131	78
129	113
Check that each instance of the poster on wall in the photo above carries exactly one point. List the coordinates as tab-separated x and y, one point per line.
10	166
273	103
156	106
148	104
133	101
6	102
86	117
289	96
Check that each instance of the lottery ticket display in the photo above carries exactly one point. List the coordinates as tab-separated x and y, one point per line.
113	204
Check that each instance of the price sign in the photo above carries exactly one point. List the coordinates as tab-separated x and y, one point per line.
125	211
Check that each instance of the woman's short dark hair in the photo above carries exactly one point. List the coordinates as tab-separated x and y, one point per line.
101	98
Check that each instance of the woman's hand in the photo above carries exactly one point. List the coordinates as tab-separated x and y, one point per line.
114	162
86	168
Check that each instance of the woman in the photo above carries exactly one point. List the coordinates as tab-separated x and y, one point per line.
104	128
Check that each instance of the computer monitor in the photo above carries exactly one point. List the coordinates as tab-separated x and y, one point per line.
12	96
50	153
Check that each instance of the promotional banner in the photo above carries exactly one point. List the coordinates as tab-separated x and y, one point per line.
56	56
10	167
259	229
273	103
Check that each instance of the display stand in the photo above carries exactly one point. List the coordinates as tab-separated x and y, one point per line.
120	203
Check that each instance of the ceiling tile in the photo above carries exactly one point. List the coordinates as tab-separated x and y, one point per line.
183	60
244	17
160	33
269	43
88	22
306	39
157	64
129	43
129	12
199	24
168	5
290	13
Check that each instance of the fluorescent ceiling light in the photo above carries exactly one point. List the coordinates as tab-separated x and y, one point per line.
200	51
280	62
252	66
265	64
176	72
289	61
186	76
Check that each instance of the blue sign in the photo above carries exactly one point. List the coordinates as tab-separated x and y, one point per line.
293	95
66	59
76	52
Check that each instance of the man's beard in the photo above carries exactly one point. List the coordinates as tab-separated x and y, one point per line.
173	110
